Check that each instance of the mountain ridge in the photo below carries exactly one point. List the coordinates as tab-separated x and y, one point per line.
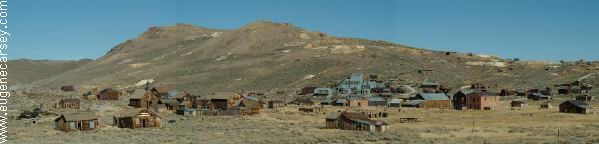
273	57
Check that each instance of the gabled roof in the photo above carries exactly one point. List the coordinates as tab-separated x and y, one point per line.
434	96
219	95
578	103
361	118
251	104
70	100
430	83
356	77
78	116
396	101
107	90
131	112
333	115
162	89
172	102
138	94
341	101
376	99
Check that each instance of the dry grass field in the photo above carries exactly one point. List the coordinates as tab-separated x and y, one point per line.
287	125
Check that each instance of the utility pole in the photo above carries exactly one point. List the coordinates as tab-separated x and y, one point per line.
558	136
472	125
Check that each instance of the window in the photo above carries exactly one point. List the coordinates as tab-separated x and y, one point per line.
91	124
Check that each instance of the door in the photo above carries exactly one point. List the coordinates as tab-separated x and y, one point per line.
79	126
143	123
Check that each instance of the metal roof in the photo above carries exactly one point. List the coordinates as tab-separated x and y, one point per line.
414	102
434	96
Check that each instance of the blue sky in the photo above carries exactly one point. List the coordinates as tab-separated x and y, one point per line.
526	29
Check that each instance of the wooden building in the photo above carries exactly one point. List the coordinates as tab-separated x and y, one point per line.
162	91
301	101
67	88
584	98
92	94
414	103
395	103
546	105
223	100
507	92
79	120
357	102
538	96
459	99
376	101
434	100
136	118
354	121
430	84
143	99
274	104
171	104
483	101
575	106
249	107
69	103
518	104
109	94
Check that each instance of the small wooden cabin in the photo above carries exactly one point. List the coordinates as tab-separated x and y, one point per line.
69	103
136	118
79	120
67	88
109	94
273	104
518	104
354	121
575	106
143	99
162	91
434	100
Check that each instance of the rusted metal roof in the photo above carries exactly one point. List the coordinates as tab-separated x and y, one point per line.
77	116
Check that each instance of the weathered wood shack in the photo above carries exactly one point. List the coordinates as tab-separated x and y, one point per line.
354	121
459	99
67	88
161	91
377	101
274	104
69	103
109	94
136	118
434	100
249	107
584	98
143	99
79	120
575	106
482	101
518	104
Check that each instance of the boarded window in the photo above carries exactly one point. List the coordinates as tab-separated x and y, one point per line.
92	124
73	125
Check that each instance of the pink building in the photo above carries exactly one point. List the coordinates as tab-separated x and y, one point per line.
482	101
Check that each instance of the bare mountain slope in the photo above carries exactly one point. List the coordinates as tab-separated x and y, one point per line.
271	57
25	71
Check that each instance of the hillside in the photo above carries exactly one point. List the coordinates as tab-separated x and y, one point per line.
24	71
273	57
